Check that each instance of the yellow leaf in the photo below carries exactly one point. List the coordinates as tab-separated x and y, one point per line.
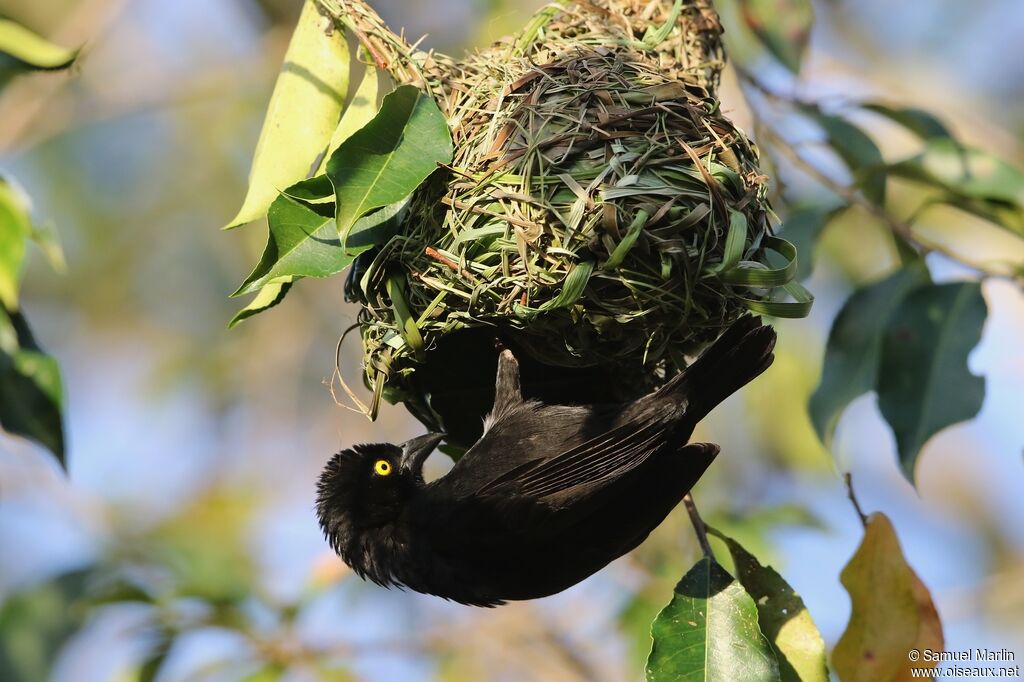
303	112
893	613
360	111
30	49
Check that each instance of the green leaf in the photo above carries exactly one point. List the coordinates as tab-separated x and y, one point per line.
572	289
757	274
270	295
31	396
632	234
315	190
854	346
304	241
859	152
388	158
359	112
15	229
735	242
923	381
655	36
303	111
1006	216
709	632
797	307
892	612
918	121
377	228
779	280
802	228
30	51
782	26
783	618
406	322
968	174
36	623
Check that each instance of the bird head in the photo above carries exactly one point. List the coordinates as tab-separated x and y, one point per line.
365	487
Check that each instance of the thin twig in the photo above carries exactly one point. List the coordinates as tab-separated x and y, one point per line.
848	479
698	526
894	224
434	254
339	375
900	228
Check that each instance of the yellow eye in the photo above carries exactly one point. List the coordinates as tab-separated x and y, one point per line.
382	467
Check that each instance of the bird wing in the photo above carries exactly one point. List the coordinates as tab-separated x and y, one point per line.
592	463
535	503
560	517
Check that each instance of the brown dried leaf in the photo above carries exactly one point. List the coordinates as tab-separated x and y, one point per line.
893	612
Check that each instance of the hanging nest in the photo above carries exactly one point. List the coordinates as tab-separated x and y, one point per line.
600	211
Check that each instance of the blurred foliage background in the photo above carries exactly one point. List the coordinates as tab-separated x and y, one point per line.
182	545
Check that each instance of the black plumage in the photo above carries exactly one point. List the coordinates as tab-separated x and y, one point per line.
549	495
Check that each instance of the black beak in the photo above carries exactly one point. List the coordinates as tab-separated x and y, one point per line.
416	451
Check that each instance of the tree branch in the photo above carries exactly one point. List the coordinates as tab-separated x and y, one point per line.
901	229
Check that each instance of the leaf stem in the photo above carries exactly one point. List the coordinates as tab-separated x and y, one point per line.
699	527
848	480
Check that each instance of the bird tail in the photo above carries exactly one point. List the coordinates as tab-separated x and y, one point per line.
738	357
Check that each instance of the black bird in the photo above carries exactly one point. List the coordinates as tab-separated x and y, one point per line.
549	495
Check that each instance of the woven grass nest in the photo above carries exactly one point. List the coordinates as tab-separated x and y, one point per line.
601	214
